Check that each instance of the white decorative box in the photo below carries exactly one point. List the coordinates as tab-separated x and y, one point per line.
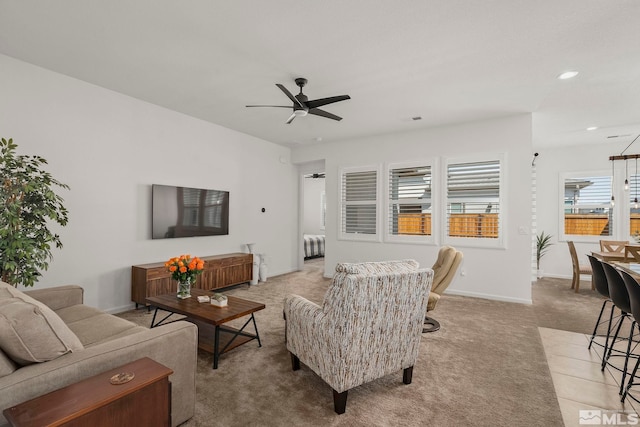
203	298
219	300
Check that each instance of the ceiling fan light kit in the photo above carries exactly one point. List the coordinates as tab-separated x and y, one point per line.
302	106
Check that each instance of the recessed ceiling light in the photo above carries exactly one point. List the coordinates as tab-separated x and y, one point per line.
568	75
592	128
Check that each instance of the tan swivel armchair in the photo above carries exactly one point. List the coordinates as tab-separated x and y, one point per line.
444	270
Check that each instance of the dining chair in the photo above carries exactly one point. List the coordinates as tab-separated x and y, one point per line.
632	253
620	298
633	289
602	286
578	269
613	245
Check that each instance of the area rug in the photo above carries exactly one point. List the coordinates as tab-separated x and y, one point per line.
484	367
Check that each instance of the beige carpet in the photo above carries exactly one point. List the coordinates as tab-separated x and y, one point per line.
559	307
485	367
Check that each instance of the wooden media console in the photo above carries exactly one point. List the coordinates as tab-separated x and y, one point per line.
220	271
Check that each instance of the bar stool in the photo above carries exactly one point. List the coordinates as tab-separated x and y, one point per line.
602	286
620	298
633	289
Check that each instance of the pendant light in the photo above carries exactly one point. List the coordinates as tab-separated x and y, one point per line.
635	200
613	199
626	174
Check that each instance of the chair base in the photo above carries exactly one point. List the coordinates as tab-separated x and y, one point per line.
431	324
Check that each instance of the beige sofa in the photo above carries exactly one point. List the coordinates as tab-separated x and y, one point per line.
87	343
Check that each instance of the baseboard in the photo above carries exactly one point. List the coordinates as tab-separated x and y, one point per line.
120	309
487	296
560	276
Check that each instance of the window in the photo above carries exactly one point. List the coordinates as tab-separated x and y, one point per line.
474	201
410	192
586	205
634	207
359	204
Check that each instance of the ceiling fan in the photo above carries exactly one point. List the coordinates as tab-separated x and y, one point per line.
315	175
302	106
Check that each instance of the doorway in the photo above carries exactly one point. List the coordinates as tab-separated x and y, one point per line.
312	214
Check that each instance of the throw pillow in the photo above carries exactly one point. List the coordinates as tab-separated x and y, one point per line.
30	331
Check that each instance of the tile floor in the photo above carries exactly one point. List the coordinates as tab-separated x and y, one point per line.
580	384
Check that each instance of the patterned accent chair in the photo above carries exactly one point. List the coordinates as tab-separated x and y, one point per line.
369	325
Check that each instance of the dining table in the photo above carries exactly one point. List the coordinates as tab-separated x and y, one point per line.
633	268
609	256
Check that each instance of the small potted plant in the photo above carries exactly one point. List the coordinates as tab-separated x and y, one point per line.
219	300
543	242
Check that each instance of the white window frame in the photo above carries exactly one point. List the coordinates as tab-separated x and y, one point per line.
435	205
500	241
633	191
342	235
620	206
323	210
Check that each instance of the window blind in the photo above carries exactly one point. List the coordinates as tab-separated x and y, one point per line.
410	201
359	202
473	199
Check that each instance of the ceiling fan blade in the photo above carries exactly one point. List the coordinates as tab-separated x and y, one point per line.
322	113
291	97
278	106
293	116
324	101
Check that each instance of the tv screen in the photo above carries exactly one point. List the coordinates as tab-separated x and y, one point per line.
187	212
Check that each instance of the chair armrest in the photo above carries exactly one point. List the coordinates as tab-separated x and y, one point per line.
58	297
174	345
311	335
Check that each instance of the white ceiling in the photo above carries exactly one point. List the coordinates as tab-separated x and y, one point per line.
446	61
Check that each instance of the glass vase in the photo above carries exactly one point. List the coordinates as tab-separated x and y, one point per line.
184	289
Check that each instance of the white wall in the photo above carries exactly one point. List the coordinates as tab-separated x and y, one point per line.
312	221
492	273
109	148
551	163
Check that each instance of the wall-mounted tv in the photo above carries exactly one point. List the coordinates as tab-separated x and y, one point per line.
188	212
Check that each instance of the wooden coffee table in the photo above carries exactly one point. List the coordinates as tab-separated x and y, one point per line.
212	335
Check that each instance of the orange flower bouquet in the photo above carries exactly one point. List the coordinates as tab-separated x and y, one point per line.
184	269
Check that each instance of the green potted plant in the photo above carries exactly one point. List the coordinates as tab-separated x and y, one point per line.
29	206
543	242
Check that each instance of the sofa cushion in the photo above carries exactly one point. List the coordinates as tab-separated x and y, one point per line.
30	331
6	365
82	320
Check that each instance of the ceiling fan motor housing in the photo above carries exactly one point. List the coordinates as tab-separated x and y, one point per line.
302	98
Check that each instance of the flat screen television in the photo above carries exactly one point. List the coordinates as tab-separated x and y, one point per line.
188	212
